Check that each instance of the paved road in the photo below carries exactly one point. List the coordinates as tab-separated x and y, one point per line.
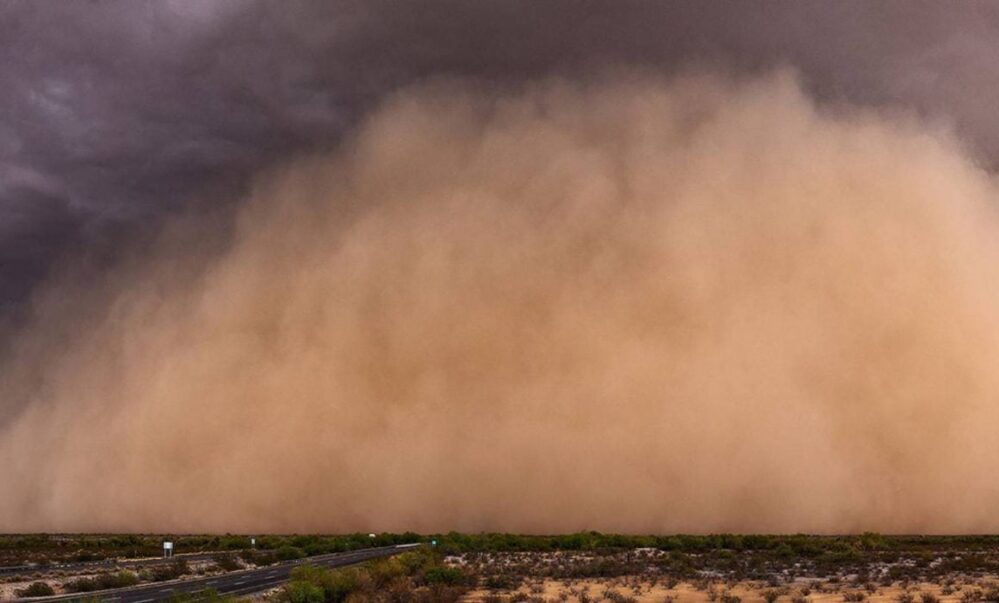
234	583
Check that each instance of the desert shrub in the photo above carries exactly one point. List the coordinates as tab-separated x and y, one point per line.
258	558
119	579
102	582
342	583
384	571
504	581
336	585
616	597
784	551
799	599
450	576
770	596
730	598
172	571
232	543
414	577
971	596
872	541
288	553
299	591
36	589
854	597
439	593
905	598
928	598
316	576
226	563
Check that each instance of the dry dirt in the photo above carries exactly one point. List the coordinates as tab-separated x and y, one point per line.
642	591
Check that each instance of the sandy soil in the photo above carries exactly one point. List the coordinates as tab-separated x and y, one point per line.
643	592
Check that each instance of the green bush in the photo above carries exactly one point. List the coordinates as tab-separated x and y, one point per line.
384	571
336	586
288	553
450	576
172	571
226	563
299	591
36	589
258	558
102	582
403	577
505	581
616	597
231	543
342	583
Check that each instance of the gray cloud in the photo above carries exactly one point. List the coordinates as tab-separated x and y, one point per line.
122	112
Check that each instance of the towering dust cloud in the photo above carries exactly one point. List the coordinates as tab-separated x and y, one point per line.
694	305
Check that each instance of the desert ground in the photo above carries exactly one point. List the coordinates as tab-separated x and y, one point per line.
502	568
635	589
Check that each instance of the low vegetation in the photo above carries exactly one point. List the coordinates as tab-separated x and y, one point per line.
509	568
417	577
102	582
176	569
36	589
43	550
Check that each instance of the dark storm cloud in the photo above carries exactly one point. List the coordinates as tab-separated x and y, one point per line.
114	114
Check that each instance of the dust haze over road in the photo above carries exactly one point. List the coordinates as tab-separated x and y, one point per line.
679	293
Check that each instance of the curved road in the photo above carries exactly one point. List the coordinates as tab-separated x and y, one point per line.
242	582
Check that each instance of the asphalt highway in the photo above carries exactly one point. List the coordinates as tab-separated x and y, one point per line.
242	582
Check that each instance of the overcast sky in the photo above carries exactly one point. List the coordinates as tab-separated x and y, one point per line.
116	114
